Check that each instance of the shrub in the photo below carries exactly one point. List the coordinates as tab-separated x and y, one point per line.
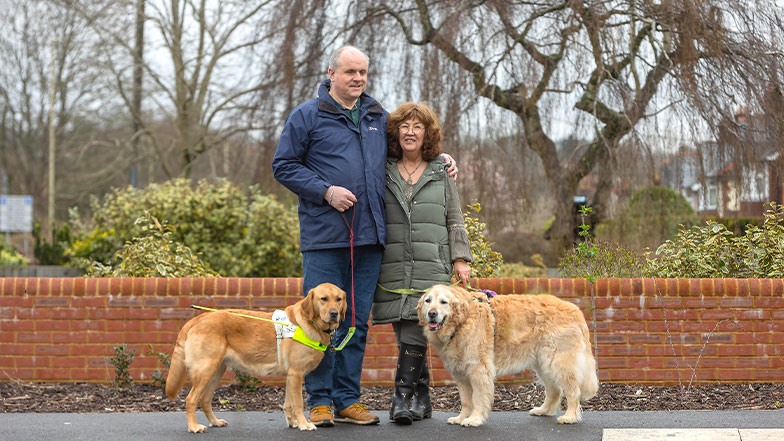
604	260
520	270
10	257
154	254
237	234
658	201
51	253
122	363
652	215
487	262
246	381
712	251
158	377
739	225
592	259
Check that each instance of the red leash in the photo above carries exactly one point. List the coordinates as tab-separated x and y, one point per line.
351	246
353	327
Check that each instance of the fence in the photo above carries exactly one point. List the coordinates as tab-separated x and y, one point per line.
653	331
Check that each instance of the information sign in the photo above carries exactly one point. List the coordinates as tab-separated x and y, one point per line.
16	214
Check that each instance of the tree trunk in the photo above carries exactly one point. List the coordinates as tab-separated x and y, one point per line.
138	76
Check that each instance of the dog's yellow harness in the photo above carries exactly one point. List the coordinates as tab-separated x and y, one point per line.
285	329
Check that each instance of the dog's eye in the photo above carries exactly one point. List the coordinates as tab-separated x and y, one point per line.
323	299
443	302
427	299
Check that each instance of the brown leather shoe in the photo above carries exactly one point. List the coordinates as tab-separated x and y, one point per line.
321	416
356	414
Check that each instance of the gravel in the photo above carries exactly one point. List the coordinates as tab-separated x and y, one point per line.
89	397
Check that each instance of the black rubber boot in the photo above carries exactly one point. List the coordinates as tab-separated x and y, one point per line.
421	407
410	360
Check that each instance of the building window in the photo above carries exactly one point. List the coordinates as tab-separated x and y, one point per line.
712	196
756	185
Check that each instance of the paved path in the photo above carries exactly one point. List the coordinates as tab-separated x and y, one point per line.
706	434
596	426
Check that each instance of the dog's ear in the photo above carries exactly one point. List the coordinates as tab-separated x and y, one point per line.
459	304
420	306
307	306
343	307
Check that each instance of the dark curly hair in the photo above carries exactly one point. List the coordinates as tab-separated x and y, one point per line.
431	146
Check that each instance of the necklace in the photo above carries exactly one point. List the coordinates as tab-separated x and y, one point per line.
409	173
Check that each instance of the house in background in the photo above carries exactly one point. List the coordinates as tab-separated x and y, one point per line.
732	177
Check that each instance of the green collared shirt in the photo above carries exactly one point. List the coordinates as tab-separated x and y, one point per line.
352	114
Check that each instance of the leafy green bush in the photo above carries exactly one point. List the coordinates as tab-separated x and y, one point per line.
158	377
658	201
237	234
652	215
713	251
246	381
10	257
123	357
487	263
154	254
739	225
51	253
593	259
520	270
604	260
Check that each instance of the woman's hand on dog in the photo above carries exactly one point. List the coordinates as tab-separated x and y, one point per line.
463	271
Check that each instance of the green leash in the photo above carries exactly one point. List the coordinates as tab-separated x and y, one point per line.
410	292
299	334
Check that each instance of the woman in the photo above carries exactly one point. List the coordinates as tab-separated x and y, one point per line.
426	240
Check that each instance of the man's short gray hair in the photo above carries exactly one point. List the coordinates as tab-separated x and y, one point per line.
334	59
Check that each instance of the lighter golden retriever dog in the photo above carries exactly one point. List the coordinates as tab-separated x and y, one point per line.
479	340
211	342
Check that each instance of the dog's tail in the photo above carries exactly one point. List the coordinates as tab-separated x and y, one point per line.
177	375
589	386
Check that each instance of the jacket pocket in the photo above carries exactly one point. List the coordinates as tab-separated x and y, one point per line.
314	210
445	256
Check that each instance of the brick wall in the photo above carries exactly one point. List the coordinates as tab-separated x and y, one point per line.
648	330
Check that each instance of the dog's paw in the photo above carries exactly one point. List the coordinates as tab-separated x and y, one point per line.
454	420
219	423
563	419
308	426
198	428
541	411
472	421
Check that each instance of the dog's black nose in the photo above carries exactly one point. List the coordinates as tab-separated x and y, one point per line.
333	315
432	314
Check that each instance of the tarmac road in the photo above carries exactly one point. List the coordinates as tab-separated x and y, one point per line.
171	426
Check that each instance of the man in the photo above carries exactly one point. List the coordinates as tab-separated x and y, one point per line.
332	155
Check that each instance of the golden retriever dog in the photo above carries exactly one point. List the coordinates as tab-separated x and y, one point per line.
211	342
479	339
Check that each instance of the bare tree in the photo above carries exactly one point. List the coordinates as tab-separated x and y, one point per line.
609	66
199	66
31	29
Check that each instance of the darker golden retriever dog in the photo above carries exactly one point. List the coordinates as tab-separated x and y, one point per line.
479	339
211	342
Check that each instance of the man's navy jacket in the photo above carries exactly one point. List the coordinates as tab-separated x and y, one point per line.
320	147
